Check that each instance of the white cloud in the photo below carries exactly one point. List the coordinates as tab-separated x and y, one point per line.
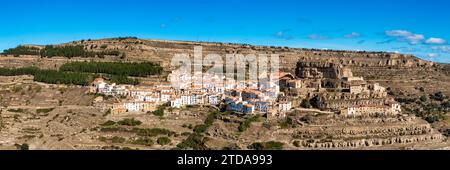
317	37
352	35
398	33
406	36
415	39
432	55
408	49
284	34
279	33
442	49
433	40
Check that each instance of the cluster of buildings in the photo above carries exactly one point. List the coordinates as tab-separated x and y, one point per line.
247	97
137	98
334	87
391	108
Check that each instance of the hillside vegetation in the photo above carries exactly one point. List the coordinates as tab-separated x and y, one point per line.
82	73
68	51
114	68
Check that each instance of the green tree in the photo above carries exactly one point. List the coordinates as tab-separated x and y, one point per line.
159	112
163	140
305	103
424	98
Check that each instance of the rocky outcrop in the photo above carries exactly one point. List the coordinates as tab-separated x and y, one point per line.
389	132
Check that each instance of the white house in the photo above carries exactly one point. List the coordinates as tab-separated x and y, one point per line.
152	98
262	106
176	103
108	89
132	106
248	108
165	97
284	106
121	90
98	84
213	99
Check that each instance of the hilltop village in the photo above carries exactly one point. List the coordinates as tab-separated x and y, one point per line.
120	93
330	87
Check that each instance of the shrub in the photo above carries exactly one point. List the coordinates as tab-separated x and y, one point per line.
445	105
152	132
24	146
207	123
112	129
314	102
46	110
286	123
108	123
439	96
163	140
185	134
194	141
115	139
424	98
129	122
434	118
256	146
305	103
18	110
159	112
307	119
200	128
143	141
271	145
246	124
232	147
422	89
296	143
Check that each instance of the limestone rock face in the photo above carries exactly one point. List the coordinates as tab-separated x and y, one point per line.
320	70
390	132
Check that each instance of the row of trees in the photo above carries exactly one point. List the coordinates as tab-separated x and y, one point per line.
80	73
59	77
66	51
119	79
73	51
69	51
114	68
22	50
49	76
18	71
62	77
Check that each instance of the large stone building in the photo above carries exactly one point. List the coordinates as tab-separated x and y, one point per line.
334	88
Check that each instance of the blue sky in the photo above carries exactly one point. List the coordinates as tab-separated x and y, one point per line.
419	27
